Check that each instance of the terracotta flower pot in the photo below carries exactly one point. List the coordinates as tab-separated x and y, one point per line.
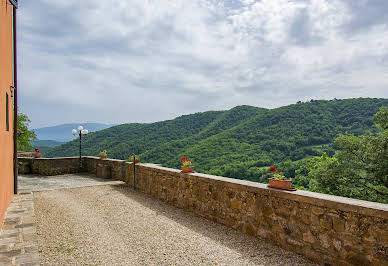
280	184
136	160
187	169
103	157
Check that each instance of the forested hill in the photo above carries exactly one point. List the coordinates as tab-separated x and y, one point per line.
238	142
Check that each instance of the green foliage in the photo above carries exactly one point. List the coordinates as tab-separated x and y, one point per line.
45	146
136	138
242	142
46	143
25	136
278	175
358	170
381	118
131	159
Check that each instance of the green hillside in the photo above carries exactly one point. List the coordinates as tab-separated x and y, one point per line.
137	138
239	142
46	143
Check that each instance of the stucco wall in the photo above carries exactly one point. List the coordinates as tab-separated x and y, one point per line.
6	137
324	228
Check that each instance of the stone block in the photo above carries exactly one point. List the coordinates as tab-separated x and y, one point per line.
103	171
309	237
338	224
235	203
324	240
337	244
317	210
325	222
27	259
24	168
249	229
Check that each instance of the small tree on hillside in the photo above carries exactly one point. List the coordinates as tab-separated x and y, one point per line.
25	136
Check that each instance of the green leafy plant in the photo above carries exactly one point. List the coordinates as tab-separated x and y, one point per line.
358	170
103	154
25	135
277	174
130	157
136	158
185	162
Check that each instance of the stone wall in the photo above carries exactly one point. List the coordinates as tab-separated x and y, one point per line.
26	154
107	168
48	166
327	229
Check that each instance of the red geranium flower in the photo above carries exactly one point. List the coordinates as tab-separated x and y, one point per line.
183	159
280	172
272	169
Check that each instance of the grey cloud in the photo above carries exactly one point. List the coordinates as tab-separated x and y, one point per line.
167	58
301	30
367	14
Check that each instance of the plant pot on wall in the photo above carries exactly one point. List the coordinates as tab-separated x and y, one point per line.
103	157
284	184
187	169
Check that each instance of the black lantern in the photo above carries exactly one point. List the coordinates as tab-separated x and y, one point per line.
14	2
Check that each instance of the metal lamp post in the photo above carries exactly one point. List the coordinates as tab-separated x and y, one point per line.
81	131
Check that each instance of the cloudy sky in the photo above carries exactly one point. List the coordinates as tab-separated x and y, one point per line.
116	61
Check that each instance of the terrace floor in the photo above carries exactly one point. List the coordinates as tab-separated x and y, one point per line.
31	183
112	224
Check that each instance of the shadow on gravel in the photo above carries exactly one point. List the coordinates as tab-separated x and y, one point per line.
250	248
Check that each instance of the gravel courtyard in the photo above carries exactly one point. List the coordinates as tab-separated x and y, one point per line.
114	225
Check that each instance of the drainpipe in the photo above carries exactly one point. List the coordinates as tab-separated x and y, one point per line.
15	110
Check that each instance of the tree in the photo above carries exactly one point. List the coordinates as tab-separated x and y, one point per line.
25	136
358	170
381	118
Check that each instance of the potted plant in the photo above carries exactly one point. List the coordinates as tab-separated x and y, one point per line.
186	167
137	160
37	153
279	181
103	154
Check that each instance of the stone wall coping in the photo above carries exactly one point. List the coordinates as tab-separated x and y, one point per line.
107	159
91	157
56	158
324	200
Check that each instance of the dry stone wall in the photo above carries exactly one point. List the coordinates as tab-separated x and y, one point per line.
107	168
48	166
327	229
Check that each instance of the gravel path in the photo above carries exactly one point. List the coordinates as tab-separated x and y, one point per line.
114	225
28	183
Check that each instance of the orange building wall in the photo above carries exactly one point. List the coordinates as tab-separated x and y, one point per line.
6	137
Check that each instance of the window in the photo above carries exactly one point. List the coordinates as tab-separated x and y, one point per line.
6	112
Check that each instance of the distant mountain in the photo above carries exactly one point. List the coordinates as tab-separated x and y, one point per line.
238	142
62	133
46	143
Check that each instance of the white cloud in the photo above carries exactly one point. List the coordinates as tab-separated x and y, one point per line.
165	58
